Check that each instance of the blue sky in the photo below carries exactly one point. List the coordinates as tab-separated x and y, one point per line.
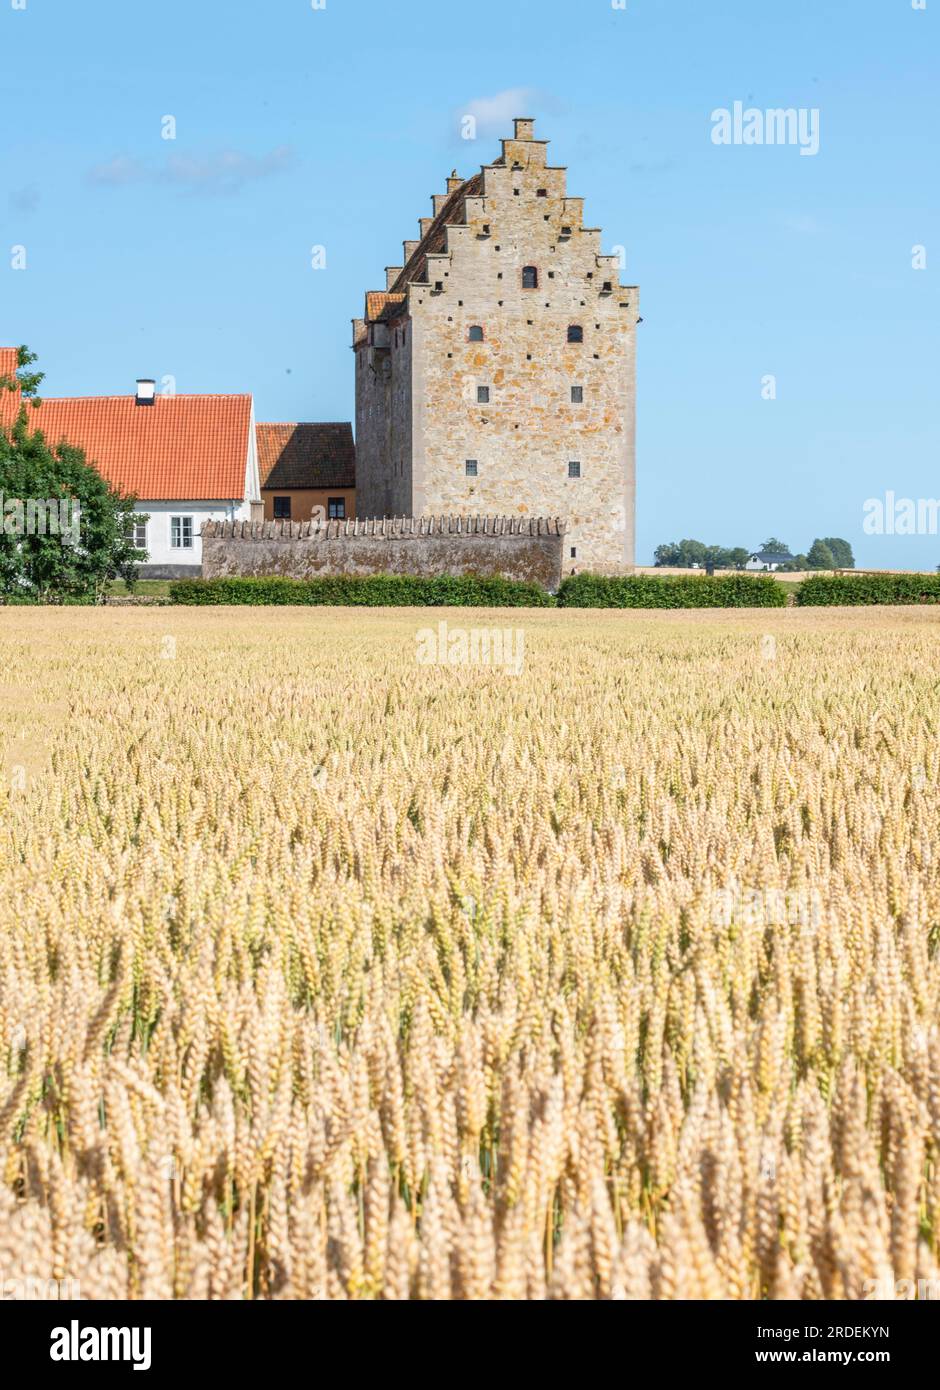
298	127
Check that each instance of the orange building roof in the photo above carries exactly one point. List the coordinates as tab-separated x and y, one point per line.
9	358
181	447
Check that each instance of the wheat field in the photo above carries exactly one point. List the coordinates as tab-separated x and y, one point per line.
330	973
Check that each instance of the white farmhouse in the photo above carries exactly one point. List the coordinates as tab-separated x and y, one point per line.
767	560
187	460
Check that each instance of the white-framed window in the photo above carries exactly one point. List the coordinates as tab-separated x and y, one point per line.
181	533
137	533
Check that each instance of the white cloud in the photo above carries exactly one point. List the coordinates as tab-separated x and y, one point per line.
223	172
494	115
117	171
227	171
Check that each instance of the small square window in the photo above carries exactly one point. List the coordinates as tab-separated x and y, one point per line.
475	333
566	231
608	286
575	333
483	395
438	285
282	509
181	532
577	395
336	508
470	468
137	534
574	469
542	193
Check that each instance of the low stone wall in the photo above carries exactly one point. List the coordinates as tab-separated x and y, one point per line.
514	547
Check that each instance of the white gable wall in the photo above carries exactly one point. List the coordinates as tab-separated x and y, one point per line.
161	552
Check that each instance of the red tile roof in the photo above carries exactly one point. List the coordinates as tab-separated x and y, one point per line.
306	456
380	304
9	357
192	448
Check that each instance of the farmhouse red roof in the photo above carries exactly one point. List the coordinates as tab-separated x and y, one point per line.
186	447
9	359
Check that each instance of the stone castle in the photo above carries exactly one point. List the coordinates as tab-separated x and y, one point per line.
496	372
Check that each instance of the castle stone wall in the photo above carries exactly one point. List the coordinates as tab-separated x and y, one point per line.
529	549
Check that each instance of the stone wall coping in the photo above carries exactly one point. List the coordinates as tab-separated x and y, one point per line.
393	526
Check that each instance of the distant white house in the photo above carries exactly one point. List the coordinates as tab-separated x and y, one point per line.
768	559
187	459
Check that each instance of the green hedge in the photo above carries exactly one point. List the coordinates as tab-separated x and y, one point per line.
843	589
370	591
678	591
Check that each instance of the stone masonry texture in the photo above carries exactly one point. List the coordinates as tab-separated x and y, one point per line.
420	411
516	548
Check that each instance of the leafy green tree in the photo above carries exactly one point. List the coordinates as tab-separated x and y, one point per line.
685	554
667	554
775	545
64	532
23	380
841	552
820	557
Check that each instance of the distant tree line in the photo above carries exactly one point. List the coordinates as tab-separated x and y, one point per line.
826	553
